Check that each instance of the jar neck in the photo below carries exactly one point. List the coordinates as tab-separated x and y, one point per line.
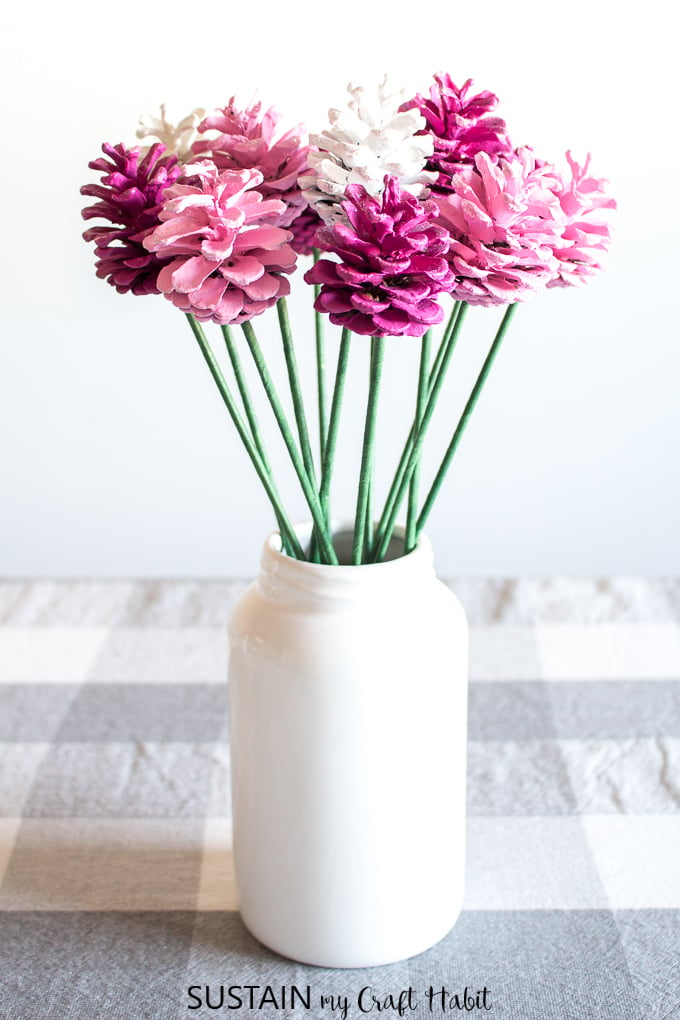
284	578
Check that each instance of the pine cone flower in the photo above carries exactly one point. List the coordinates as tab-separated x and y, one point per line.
373	138
177	138
505	219
588	232
130	197
251	139
227	256
392	264
304	229
460	126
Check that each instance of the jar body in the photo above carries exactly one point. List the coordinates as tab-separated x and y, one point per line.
348	704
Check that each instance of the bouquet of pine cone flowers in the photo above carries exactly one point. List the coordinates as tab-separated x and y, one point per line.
398	202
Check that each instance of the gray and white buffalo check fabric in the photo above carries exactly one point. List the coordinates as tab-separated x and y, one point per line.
116	885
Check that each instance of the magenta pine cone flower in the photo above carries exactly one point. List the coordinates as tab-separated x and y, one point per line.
130	197
252	139
460	126
227	256
304	228
391	267
587	235
505	219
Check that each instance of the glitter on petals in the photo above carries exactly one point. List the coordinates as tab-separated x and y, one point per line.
392	265
129	196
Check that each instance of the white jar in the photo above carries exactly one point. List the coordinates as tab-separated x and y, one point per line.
348	702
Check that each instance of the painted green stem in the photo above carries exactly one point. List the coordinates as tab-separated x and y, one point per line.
423	380
239	375
308	489
369	534
333	424
298	408
251	448
377	355
450	325
408	445
416	436
295	388
320	369
465	417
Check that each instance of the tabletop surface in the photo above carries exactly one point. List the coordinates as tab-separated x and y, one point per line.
116	880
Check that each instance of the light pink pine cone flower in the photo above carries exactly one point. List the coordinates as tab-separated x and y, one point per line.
587	235
227	256
256	139
505	219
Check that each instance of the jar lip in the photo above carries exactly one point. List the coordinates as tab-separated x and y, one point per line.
276	561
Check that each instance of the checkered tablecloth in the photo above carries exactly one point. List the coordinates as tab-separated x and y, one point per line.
116	885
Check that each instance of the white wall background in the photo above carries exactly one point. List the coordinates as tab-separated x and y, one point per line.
116	455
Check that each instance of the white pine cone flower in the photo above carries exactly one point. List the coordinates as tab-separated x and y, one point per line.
363	143
177	138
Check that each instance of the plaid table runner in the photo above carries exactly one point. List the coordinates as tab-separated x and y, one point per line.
116	885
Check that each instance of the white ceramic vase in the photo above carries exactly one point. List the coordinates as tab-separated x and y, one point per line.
348	700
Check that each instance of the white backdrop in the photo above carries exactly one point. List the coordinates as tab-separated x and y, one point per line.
116	455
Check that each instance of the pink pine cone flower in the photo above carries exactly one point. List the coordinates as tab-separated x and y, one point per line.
461	126
392	264
504	219
587	235
304	228
227	257
253	139
130	197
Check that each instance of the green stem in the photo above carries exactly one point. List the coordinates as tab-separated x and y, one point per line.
248	442
320	368
408	445
414	441
423	380
307	487
465	417
298	408
333	424
377	355
368	526
445	339
295	388
250	414
239	375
